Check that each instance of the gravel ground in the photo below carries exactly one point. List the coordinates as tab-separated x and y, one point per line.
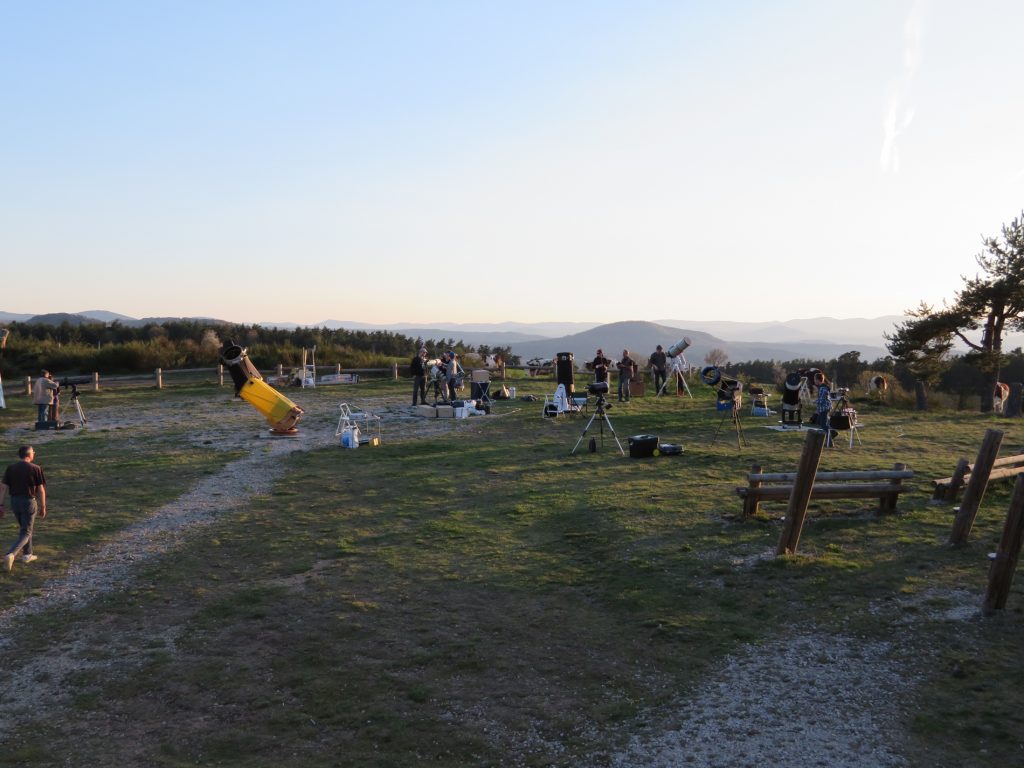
807	699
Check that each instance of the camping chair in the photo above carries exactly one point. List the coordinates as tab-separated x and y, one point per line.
362	420
560	403
759	402
480	385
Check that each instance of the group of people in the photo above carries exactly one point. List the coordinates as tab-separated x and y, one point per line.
451	372
628	368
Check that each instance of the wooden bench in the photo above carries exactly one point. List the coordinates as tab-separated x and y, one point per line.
948	488
884	484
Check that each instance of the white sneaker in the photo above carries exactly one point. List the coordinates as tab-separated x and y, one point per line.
8	562
29	558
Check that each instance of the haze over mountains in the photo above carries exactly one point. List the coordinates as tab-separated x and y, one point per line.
814	338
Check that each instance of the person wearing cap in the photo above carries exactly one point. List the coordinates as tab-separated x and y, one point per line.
25	483
658	362
418	367
600	366
42	394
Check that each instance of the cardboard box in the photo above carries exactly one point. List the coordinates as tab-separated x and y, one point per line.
636	387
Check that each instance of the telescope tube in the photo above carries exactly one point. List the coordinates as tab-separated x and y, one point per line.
280	412
679	346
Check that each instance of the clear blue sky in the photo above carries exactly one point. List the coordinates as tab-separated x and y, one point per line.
484	161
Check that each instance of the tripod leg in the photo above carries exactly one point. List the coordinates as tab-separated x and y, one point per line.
720	423
583	434
612	430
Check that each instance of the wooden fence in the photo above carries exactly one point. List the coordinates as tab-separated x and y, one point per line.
161	377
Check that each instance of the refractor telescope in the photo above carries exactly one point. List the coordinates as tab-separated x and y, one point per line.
280	412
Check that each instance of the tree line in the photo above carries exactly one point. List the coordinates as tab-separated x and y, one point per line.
70	348
989	305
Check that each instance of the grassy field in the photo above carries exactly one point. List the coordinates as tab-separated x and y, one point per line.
480	596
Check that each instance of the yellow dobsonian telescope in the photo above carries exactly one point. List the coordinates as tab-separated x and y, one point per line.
279	411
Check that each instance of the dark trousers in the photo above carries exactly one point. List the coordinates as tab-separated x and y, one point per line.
419	388
659	379
25	509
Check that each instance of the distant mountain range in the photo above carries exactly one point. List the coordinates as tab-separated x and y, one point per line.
815	338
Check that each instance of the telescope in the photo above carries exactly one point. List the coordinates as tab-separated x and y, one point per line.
281	413
679	346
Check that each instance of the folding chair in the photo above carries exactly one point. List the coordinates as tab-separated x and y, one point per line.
759	402
349	419
480	385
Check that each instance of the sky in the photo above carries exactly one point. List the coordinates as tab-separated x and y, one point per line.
476	162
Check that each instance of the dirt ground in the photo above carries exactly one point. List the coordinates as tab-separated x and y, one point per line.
844	702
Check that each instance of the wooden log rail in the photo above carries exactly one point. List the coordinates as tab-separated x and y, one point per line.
948	488
884	484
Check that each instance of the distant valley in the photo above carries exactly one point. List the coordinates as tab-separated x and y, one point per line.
811	338
815	338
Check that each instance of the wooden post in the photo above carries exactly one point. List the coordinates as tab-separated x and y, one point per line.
976	486
395	369
28	386
1012	407
337	369
280	369
751	505
887	503
800	496
96	381
1000	573
220	374
159	378
956	482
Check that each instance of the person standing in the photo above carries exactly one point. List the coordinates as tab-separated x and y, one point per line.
823	405
658	363
453	374
600	366
42	394
627	370
25	483
419	376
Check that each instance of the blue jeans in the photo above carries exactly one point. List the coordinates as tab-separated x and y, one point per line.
44	412
624	387
823	422
25	509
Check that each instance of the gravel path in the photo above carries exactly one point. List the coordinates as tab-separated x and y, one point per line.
805	700
809	699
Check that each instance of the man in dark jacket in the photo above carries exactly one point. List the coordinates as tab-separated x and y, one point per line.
25	484
658	361
419	376
627	370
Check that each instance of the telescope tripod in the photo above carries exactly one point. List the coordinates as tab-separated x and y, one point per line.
737	426
599	413
78	408
676	373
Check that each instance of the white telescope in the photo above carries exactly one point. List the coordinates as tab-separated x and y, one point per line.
679	346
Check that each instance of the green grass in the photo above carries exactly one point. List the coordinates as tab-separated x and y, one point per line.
437	599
